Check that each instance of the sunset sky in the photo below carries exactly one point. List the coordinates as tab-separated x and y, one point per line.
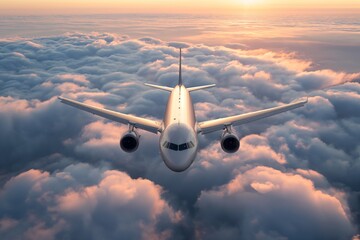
163	6
63	174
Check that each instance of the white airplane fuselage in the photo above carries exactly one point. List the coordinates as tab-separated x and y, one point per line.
178	140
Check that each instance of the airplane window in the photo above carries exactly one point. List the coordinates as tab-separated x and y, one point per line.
174	147
166	144
180	147
183	147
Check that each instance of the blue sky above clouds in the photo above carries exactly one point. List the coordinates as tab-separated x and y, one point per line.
63	175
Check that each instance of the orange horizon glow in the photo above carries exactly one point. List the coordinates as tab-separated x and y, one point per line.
168	7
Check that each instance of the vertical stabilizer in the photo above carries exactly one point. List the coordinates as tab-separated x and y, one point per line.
180	78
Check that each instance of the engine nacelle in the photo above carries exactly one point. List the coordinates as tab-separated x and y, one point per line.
229	141
129	142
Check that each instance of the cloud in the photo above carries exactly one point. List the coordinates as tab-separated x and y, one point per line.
107	203
264	203
47	145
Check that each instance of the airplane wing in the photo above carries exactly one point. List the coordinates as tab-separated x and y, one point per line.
221	123
138	122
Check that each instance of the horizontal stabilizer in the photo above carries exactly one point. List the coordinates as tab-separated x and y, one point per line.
200	87
169	89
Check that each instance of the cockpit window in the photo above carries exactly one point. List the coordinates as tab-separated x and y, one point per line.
174	146
182	147
178	147
166	144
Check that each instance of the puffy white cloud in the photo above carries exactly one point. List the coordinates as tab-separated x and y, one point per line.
314	148
94	204
264	203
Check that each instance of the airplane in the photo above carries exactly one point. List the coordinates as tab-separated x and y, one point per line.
179	129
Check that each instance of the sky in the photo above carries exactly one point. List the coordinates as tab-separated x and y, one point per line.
64	176
162	6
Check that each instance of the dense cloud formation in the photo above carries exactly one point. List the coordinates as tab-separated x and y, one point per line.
252	197
79	203
63	175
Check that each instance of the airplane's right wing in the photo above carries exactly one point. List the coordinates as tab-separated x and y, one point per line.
222	123
139	122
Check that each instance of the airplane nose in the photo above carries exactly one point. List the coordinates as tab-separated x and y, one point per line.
178	146
178	161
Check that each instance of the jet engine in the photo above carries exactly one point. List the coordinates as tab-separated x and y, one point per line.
129	142
229	141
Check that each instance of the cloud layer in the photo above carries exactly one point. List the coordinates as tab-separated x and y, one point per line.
64	175
79	203
245	207
329	38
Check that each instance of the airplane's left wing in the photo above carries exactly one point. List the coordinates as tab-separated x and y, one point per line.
138	122
222	123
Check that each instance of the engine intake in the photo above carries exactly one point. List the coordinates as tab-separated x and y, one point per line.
129	142
229	141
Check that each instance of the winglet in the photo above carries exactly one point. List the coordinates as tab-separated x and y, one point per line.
302	100
180	77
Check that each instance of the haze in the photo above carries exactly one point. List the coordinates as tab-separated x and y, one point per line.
162	6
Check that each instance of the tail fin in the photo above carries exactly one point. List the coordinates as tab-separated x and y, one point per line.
180	77
169	89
